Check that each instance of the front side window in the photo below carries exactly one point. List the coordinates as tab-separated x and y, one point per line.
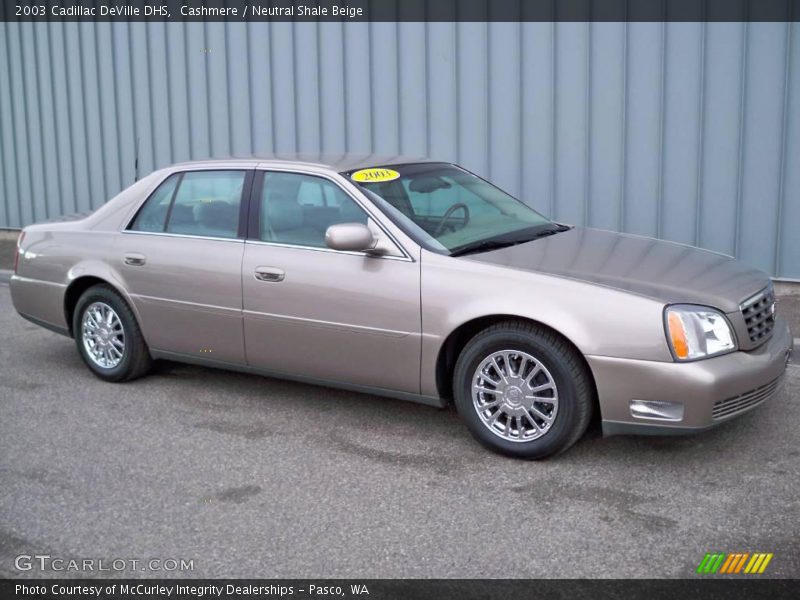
202	203
298	209
448	209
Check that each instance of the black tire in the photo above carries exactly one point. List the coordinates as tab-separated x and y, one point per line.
136	360
565	365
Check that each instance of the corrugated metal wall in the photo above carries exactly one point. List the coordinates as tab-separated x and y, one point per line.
687	131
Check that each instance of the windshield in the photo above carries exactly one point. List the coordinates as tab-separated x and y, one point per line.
446	208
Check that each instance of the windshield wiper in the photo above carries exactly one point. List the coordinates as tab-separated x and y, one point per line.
557	229
484	245
506	241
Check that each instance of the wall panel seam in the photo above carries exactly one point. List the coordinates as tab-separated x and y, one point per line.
700	160
623	175
661	124
741	141
782	170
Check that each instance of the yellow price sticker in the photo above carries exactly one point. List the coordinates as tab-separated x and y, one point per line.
374	175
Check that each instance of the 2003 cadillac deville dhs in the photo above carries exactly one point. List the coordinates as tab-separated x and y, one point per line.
412	279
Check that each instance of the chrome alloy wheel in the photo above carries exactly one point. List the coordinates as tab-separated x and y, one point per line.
515	396
103	335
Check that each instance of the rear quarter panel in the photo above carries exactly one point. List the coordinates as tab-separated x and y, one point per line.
53	257
55	254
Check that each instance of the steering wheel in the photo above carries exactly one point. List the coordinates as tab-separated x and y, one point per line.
448	213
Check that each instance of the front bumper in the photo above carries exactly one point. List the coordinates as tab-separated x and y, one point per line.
710	391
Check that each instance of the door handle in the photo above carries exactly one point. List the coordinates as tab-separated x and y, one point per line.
270	274
134	259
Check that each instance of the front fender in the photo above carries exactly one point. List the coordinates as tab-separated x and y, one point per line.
597	320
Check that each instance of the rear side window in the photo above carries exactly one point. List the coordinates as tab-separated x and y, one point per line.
202	203
207	204
153	215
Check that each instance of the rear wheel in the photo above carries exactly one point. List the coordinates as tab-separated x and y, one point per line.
522	390
108	337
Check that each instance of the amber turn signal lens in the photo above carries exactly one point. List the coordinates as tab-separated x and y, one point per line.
678	336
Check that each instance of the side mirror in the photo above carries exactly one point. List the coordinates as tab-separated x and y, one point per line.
352	237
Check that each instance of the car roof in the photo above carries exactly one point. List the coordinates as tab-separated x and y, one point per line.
335	162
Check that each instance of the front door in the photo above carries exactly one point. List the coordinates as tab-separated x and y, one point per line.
327	315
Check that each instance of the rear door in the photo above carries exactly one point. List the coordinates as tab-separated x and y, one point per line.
319	313
181	259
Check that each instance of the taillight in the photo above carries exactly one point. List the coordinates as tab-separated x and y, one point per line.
16	251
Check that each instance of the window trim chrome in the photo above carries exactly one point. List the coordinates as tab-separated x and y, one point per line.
182	235
325	249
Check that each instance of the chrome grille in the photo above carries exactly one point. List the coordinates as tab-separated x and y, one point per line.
759	315
731	406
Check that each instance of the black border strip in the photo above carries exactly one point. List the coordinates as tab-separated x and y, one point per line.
732	588
245	205
254	206
401	10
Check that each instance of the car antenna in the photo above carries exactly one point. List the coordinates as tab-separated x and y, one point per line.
136	161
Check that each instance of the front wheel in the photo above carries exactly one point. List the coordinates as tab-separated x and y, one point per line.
522	390
108	337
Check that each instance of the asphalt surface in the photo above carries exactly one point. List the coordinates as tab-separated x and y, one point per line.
254	477
7	247
788	306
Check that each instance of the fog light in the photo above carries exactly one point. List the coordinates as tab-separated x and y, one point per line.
657	410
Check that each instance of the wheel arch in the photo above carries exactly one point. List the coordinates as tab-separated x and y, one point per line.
75	290
457	340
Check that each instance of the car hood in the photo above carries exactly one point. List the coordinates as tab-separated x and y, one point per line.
667	271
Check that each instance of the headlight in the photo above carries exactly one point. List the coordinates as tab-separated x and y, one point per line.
697	332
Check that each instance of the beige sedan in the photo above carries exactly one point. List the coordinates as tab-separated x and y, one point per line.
412	279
